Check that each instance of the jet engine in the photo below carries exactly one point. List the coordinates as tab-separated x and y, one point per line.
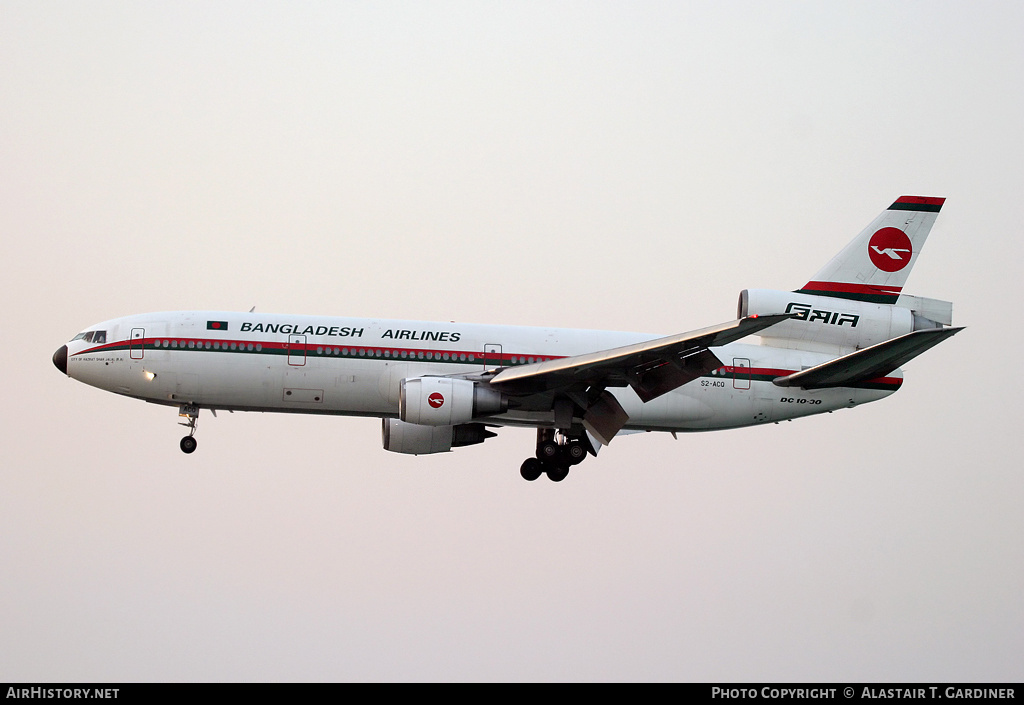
444	401
417	439
826	319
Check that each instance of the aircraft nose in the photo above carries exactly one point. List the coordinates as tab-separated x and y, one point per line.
60	359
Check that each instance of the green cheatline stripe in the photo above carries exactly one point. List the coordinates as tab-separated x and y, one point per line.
755	377
926	207
771	378
869	298
744	378
884	386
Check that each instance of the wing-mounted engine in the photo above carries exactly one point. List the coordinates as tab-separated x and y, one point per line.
435	415
447	401
417	439
830	320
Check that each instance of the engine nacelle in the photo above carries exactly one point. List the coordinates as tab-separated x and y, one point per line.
444	401
826	319
417	439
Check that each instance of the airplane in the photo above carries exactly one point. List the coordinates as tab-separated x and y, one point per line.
836	342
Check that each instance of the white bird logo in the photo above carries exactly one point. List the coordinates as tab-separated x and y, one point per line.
890	251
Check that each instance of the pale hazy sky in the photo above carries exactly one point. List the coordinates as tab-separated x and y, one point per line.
629	166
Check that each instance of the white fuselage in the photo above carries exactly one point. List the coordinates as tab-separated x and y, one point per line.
351	366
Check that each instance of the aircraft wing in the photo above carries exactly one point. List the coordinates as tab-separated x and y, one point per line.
651	368
869	363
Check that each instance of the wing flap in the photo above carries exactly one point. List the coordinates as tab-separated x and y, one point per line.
650	382
869	363
604	418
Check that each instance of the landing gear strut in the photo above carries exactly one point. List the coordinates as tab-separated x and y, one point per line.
191	412
556	453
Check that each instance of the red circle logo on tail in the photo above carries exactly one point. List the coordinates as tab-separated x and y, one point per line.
436	400
890	249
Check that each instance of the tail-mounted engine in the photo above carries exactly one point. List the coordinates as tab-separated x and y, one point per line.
444	401
845	323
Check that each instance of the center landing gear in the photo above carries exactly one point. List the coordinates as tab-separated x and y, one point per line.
191	412
556	453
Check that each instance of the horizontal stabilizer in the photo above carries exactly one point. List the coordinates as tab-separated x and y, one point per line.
869	363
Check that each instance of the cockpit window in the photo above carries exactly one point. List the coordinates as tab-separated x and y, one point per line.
92	336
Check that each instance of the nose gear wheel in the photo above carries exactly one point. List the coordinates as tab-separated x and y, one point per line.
191	412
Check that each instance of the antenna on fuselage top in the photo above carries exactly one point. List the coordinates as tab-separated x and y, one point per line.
252	309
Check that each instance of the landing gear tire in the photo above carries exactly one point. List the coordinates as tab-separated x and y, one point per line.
557	451
191	413
548	450
557	473
575	452
531	469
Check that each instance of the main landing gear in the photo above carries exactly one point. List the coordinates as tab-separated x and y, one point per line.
556	453
191	412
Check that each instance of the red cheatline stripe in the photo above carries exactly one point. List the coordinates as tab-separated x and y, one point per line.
757	371
846	288
505	358
922	200
109	346
918	203
768	373
880	383
371	351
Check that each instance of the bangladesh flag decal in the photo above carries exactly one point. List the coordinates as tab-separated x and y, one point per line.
216	325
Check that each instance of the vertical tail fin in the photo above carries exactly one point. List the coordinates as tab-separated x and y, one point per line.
876	264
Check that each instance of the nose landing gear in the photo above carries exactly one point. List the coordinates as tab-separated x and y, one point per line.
191	412
556	453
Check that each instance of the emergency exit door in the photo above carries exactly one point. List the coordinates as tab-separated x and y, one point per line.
136	348
740	373
492	355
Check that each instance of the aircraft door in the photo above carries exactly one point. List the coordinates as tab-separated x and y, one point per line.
492	355
296	350
136	348
740	373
